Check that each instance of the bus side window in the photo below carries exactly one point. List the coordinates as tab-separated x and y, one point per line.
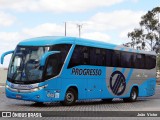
76	57
134	60
109	54
98	57
116	59
137	61
80	56
140	61
103	53
53	67
150	61
128	59
123	59
92	56
143	63
85	51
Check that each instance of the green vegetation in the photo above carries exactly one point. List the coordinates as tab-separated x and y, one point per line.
147	36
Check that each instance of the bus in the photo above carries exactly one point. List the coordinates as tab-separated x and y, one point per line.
67	69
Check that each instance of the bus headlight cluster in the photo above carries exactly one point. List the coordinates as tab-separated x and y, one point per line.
39	88
27	90
7	86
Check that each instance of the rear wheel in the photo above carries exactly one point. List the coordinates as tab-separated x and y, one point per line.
70	97
133	96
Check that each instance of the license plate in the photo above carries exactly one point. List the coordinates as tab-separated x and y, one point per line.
18	96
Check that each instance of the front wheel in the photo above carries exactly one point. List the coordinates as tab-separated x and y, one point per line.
70	97
133	96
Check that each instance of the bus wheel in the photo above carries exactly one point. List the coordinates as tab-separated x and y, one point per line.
70	97
107	100
133	96
39	103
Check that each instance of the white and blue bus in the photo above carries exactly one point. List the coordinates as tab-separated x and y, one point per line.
66	69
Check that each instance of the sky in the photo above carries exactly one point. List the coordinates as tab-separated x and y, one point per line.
103	20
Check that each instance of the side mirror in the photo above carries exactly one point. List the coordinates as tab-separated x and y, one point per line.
45	56
4	54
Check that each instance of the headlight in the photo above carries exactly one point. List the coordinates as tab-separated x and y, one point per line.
7	86
35	89
39	88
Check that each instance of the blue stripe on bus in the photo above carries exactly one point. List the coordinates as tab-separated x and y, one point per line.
123	70
114	69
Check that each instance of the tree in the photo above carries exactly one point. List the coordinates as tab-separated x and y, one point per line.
147	36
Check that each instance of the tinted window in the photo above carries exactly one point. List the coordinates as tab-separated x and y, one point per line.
126	59
150	61
56	61
109	54
116	59
80	56
83	55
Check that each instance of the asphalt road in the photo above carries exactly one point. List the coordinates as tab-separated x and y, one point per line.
142	104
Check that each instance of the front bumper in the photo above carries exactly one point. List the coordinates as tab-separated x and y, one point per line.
37	96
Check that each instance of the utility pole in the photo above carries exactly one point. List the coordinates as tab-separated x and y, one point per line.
65	29
79	28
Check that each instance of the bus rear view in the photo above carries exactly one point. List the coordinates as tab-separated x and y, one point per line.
66	69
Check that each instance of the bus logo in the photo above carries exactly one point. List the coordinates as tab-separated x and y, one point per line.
117	83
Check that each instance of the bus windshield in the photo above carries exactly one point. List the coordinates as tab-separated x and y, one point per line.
24	66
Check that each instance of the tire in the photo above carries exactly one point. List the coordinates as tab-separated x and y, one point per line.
70	97
107	100
133	96
39	103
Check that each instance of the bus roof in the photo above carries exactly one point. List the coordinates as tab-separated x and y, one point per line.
51	40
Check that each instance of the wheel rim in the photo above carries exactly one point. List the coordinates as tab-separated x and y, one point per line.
134	95
69	97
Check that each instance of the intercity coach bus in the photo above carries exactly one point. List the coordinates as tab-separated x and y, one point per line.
66	69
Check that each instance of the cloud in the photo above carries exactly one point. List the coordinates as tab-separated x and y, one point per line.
101	26
97	36
124	35
6	19
56	5
45	29
9	40
10	36
115	20
135	1
51	29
